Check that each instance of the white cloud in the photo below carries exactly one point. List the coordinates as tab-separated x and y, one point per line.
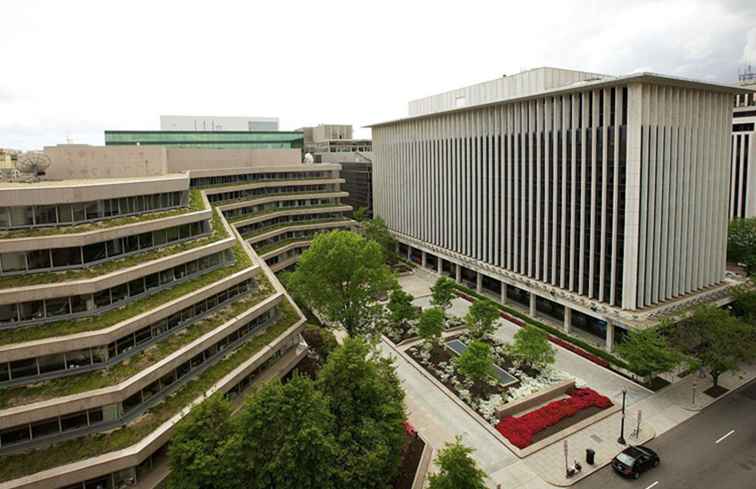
80	67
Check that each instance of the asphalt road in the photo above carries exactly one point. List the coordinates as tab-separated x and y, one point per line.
714	450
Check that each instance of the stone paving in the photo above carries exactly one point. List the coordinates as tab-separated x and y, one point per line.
439	418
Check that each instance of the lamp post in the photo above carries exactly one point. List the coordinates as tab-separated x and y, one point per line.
621	439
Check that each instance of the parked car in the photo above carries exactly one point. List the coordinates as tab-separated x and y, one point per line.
635	460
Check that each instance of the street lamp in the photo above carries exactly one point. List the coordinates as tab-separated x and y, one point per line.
621	439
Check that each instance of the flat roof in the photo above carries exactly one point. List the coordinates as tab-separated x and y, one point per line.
579	86
89	182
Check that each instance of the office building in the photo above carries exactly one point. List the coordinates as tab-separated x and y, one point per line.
333	138
214	123
208	139
130	290
595	202
743	153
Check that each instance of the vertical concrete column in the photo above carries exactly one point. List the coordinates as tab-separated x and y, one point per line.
567	319
458	273
503	293
440	265
409	252
424	259
478	282
609	337
532	305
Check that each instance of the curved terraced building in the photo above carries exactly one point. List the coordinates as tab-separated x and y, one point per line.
130	291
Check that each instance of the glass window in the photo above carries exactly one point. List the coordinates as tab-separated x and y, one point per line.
95	415
51	363
152	281
39	259
132	402
136	287
102	298
21	216
115	247
92	210
95	252
166	276
57	307
74	421
8	313
79	212
46	214
160	237
100	483
4	374
143	335
119	292
132	243
23	368
78	303
66	257
4	217
14	435
145	240
65	213
31	311
14	262
78	358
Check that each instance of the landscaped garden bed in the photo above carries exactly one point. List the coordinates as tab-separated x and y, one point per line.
555	416
410	461
491	395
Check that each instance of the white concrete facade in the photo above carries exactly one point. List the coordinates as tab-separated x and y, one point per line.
610	193
743	156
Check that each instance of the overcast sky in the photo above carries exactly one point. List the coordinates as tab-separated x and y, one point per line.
71	69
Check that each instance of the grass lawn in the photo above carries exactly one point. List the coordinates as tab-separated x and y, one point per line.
114	316
15	466
218	232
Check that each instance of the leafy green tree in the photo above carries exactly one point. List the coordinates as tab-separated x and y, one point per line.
457	469
342	276
376	230
367	403
360	214
442	292
648	354
200	455
430	326
481	318
531	346
321	340
717	339
400	307
476	362
741	242
744	306
286	438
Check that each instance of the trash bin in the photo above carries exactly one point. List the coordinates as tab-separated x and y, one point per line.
590	456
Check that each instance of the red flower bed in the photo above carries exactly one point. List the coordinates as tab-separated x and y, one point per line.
520	430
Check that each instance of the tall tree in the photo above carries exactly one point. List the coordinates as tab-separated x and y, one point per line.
430	326
286	438
647	353
321	340
481	318
342	276
531	346
476	362
376	230
400	307
741	242
442	292
744	306
367	403
200	453
457	469
717	339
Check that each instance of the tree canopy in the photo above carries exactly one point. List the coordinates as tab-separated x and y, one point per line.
741	242
647	353
476	362
200	453
400	307
481	318
457	469
531	346
375	229
342	276
286	438
321	340
367	402
431	325
442	292
717	339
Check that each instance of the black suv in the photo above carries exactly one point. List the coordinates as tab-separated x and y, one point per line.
634	460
